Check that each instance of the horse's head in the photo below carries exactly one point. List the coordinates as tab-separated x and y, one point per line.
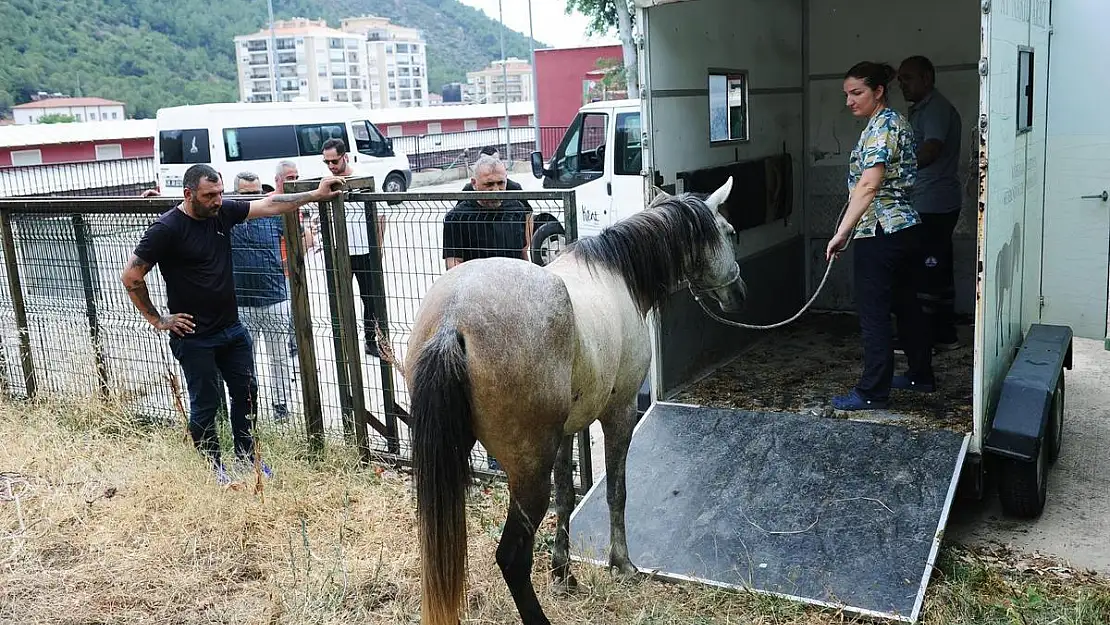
718	274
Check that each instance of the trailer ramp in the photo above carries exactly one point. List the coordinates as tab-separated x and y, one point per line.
838	513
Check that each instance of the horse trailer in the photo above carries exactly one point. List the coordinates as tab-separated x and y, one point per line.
753	90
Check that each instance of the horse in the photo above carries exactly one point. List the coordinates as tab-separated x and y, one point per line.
522	357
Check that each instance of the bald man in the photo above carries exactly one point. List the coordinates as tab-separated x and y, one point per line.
487	228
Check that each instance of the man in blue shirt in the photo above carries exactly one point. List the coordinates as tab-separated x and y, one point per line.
261	292
937	193
191	245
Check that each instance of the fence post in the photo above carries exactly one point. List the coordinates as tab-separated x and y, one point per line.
83	237
585	458
341	372
302	332
348	323
381	313
12	266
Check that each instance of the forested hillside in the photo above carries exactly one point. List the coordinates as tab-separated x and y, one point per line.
156	53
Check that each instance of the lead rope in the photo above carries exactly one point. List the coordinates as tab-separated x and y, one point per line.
748	326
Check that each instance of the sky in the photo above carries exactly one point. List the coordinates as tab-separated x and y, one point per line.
550	22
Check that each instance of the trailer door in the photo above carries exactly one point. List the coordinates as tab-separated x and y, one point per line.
1077	201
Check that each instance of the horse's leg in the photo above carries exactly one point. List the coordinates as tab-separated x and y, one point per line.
564	505
617	428
529	494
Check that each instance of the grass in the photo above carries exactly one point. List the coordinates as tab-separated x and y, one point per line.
111	521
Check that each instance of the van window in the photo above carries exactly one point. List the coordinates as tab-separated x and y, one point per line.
368	139
312	137
626	160
259	142
183	147
583	148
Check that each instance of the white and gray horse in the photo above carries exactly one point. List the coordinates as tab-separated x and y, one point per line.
522	357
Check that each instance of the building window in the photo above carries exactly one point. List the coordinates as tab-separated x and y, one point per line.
435	128
109	152
115	115
728	106
26	157
470	124
1025	89
394	131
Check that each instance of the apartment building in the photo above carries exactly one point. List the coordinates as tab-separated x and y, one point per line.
315	63
509	78
397	62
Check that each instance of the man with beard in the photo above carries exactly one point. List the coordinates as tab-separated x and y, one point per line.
358	245
937	196
191	245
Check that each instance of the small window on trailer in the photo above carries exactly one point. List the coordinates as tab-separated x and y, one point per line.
1025	89
728	106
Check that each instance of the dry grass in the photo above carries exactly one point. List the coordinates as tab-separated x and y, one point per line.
109	521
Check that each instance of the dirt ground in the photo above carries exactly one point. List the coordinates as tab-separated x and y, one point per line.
799	368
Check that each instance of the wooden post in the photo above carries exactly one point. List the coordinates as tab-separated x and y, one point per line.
341	372
302	329
381	313
83	238
348	320
12	265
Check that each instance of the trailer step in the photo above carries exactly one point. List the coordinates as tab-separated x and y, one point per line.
838	513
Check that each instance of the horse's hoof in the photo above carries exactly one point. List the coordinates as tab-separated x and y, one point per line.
566	585
624	570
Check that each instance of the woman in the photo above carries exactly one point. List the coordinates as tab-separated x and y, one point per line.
884	229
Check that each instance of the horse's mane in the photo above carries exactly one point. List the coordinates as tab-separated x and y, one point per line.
652	249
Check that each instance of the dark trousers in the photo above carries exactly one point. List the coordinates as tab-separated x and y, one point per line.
885	268
228	353
369	283
937	291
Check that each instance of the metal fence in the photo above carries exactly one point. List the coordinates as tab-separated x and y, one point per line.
453	149
67	327
128	176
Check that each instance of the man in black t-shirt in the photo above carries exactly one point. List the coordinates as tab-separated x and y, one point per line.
191	244
486	228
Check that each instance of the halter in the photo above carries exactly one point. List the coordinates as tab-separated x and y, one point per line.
707	289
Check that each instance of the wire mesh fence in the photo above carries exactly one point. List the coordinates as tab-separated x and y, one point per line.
313	303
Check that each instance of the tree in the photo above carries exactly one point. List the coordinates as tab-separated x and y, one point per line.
56	118
604	16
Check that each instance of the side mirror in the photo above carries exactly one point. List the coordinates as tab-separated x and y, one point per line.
537	164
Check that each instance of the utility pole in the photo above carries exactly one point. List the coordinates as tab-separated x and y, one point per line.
273	55
505	87
535	81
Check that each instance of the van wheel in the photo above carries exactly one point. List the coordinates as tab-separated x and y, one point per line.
1054	433
394	183
1023	486
547	241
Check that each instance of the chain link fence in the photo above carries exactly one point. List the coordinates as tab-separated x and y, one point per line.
358	266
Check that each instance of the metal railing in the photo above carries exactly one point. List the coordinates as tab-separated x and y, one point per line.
455	149
67	327
120	177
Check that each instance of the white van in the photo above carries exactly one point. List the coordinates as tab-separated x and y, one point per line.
598	157
255	137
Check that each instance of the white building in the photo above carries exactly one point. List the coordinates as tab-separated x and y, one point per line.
511	77
397	61
81	109
314	63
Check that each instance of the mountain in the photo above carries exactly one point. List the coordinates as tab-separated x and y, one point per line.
156	53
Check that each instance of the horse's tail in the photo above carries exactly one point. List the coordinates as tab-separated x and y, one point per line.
441	422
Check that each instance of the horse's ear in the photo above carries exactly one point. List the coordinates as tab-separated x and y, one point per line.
657	193
720	195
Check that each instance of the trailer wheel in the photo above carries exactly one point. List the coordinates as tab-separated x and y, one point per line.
1054	436
547	241
1023	486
